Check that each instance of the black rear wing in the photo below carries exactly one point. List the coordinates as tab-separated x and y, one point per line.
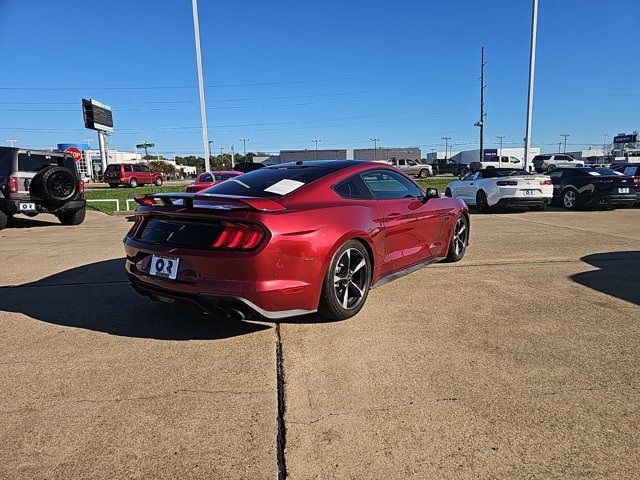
209	201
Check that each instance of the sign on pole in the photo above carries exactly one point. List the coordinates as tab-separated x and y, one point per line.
97	116
624	138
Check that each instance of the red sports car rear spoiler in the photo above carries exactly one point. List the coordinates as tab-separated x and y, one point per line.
226	202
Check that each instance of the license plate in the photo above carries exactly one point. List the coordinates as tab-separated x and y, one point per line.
164	267
623	190
27	207
530	192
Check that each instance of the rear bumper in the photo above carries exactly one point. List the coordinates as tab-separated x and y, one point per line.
210	283
522	202
611	199
10	205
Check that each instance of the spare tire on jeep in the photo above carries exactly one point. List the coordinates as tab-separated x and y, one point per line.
55	185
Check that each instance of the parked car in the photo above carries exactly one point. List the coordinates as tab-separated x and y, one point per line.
244	167
497	162
579	187
131	175
630	170
548	163
292	239
446	165
502	187
411	167
37	181
209	179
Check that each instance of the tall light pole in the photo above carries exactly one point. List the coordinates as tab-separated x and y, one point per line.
12	141
446	146
375	148
316	142
233	155
482	86
203	106
501	137
244	146
565	135
604	146
532	68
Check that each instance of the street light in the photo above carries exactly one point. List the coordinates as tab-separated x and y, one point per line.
203	106
375	148
532	68
316	142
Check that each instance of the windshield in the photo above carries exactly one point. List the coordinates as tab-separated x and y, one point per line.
269	182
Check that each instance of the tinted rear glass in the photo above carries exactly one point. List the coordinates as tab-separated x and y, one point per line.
112	168
270	182
35	162
494	172
541	157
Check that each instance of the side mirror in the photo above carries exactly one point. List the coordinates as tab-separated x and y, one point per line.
429	194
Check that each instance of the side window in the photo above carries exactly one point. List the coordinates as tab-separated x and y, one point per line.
352	188
470	176
144	168
127	168
556	175
136	168
387	185
514	160
401	163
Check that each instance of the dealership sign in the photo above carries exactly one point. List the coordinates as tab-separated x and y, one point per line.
624	138
97	116
489	152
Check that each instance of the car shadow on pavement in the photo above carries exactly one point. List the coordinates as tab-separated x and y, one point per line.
98	297
618	274
27	222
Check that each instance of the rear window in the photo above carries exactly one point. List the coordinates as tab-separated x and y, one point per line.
112	168
495	172
221	177
34	162
270	182
541	157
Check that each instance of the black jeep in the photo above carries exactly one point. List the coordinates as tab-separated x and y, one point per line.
39	181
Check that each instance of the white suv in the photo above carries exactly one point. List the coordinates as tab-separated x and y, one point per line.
547	163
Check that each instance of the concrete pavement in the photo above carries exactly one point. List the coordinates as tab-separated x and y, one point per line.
521	361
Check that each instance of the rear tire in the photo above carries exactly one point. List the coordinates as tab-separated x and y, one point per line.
158	182
482	204
463	171
459	240
551	168
72	218
133	183
346	283
570	199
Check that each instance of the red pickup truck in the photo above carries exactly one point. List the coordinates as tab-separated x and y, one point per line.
131	175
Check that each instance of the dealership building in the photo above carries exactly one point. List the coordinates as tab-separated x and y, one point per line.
368	154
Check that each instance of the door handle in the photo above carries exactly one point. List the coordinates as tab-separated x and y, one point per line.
394	216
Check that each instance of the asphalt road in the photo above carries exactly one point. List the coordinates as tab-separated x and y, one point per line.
522	361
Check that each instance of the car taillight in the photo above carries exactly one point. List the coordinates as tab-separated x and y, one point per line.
13	184
636	180
238	236
546	182
144	200
80	186
506	183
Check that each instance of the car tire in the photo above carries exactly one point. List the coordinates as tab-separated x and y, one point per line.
482	204
72	218
447	193
349	273
133	182
462	172
459	240
424	173
569	199
4	218
551	168
158	182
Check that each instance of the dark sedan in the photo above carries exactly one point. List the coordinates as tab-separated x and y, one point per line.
581	187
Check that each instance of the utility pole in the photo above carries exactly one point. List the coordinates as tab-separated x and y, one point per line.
480	123
532	68
501	137
446	146
203	105
316	142
375	148
244	146
565	135
12	141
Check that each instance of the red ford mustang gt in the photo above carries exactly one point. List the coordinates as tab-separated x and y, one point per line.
291	239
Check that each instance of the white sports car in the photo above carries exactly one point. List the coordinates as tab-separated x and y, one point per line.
502	187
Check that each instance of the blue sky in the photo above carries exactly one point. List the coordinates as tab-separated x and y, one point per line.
283	72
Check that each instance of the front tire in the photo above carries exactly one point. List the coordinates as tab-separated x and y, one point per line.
424	173
133	183
459	240
158	182
346	284
72	218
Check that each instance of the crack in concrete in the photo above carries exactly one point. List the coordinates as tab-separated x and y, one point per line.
281	438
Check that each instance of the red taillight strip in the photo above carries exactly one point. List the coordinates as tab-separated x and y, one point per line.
546	182
13	185
238	236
